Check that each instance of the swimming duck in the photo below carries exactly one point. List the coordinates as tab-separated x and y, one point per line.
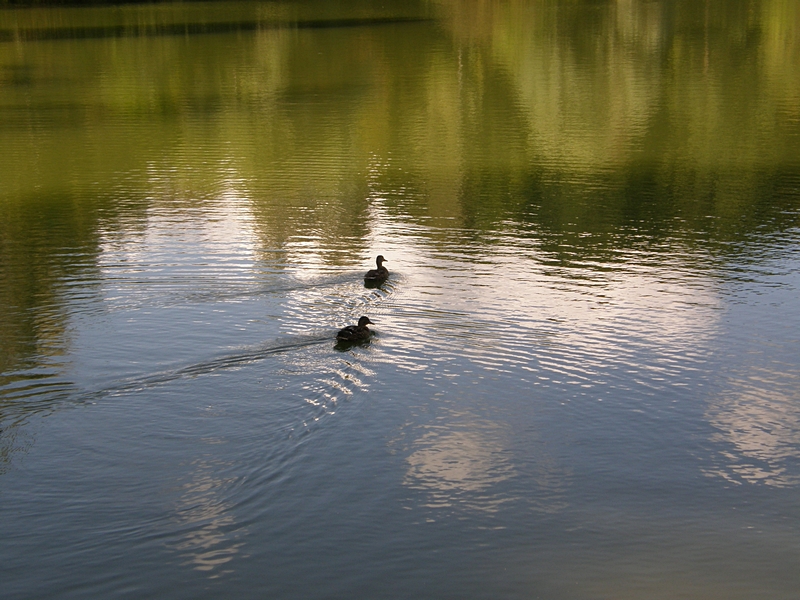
378	275
356	333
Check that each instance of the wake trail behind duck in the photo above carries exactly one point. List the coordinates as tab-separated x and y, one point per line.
243	356
45	396
126	294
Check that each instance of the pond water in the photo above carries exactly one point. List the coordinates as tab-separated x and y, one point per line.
584	380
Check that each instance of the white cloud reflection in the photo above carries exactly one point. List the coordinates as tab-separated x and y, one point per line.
470	463
460	464
758	430
206	523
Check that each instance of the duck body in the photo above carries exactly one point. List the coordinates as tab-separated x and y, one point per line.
355	333
378	275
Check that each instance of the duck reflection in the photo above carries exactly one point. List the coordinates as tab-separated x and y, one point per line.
758	428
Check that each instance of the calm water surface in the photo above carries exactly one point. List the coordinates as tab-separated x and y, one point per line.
585	377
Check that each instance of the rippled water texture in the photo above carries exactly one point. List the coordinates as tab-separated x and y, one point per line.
584	380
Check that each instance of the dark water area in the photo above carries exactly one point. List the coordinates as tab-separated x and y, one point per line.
584	378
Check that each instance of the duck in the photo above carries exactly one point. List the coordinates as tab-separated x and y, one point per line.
356	333
378	275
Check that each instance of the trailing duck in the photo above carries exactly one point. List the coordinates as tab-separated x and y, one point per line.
355	333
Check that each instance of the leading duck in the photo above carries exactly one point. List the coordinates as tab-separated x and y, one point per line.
356	333
378	275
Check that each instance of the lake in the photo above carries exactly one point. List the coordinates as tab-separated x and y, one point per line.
584	377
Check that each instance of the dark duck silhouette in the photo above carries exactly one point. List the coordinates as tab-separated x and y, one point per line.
355	333
379	275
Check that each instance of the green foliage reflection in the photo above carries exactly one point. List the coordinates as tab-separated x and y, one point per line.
590	125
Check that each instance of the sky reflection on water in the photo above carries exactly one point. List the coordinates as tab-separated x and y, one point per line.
583	379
